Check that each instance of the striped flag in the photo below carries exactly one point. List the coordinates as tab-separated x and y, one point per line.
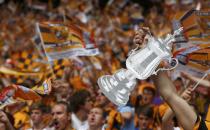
64	41
14	93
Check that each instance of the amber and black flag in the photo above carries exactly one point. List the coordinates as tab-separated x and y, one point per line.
194	60
63	41
195	25
26	69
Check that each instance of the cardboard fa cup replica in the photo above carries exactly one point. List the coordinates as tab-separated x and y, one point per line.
140	64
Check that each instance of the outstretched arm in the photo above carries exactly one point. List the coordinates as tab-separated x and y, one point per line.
168	116
183	111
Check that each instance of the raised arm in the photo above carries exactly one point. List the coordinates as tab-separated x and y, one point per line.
183	111
168	116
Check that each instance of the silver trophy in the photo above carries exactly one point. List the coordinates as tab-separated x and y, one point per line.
141	64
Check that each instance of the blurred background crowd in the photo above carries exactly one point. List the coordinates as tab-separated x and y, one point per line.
74	100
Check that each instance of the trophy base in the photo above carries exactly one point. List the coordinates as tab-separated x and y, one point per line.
112	92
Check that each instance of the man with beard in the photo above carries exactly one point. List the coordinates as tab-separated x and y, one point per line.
61	116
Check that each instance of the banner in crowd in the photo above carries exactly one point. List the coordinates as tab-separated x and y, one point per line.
194	60
10	71
26	68
188	21
195	25
65	41
58	67
21	77
15	93
29	61
26	60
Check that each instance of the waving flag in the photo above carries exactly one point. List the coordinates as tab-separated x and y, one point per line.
24	93
26	60
205	17
188	21
26	68
195	59
15	93
64	41
58	67
21	77
195	26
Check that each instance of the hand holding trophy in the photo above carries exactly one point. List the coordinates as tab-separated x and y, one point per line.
141	64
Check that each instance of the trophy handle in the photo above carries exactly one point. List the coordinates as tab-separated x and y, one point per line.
134	50
173	61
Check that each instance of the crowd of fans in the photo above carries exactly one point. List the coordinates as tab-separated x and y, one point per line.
76	103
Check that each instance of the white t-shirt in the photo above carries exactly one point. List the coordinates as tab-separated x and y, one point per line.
81	128
176	128
77	124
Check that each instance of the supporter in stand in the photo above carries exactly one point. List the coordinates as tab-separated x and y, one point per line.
39	117
61	117
80	104
96	119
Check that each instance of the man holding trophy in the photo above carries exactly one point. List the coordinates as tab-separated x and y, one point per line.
143	63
